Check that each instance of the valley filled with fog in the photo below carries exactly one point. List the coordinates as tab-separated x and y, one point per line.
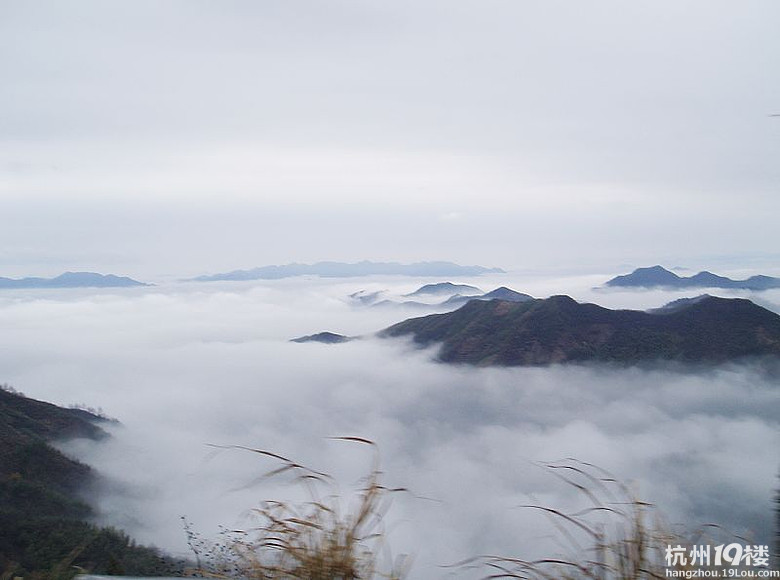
184	366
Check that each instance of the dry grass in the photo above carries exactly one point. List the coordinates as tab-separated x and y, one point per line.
316	540
616	537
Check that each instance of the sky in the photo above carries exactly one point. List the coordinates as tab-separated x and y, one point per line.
173	138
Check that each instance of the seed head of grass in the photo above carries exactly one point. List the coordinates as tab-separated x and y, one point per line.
318	539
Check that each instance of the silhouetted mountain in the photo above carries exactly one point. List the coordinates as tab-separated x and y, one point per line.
374	299
324	337
445	288
366	298
344	270
502	293
456	301
657	276
558	329
72	280
44	532
646	277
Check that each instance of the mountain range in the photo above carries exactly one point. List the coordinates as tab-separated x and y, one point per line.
72	280
559	330
659	277
351	270
454	300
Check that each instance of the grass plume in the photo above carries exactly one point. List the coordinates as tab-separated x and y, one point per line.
318	539
617	536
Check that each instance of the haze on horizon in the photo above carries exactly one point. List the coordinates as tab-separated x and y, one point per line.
179	138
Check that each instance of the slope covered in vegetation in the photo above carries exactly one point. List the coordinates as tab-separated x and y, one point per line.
559	329
45	529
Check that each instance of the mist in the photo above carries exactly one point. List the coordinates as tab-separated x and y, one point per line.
186	366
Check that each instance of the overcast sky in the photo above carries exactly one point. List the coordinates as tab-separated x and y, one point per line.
178	137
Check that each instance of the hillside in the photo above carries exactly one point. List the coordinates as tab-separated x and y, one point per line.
44	527
558	329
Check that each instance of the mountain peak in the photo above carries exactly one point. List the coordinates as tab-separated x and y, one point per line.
504	293
652	276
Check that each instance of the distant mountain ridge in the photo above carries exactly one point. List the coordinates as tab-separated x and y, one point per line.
658	276
350	270
559	330
439	289
72	280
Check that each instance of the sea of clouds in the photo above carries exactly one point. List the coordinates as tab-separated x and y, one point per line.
184	366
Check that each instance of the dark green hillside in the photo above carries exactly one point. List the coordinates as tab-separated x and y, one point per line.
44	528
29	466
558	329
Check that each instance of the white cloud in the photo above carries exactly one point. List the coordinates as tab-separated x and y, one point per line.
185	366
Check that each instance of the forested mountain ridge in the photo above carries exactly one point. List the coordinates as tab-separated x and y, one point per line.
559	329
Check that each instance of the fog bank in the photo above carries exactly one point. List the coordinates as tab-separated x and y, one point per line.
190	365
